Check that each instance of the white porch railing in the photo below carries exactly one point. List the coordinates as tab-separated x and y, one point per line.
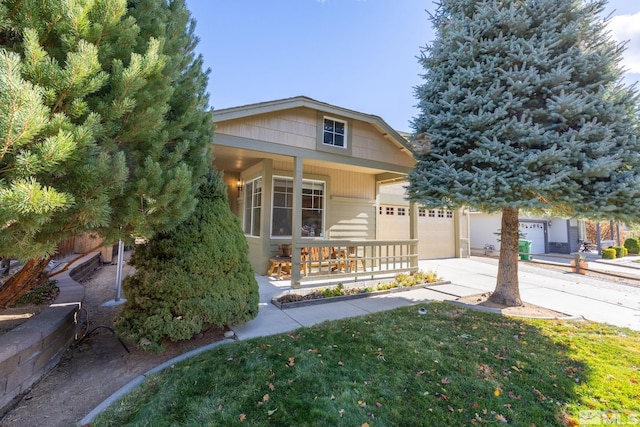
332	260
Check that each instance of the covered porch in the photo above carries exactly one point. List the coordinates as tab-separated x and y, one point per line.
291	188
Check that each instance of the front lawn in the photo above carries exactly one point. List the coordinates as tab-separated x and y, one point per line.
448	367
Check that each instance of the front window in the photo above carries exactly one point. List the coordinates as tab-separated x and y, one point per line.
312	208
334	132
252	207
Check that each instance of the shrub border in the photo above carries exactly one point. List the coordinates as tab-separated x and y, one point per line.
326	300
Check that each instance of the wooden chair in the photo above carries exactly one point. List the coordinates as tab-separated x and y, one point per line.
320	257
352	260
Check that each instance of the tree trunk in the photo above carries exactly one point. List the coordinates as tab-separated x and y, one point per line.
25	279
507	290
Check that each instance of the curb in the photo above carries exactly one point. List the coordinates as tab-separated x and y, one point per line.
317	301
133	384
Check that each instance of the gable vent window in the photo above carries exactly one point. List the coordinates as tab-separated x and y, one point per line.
335	132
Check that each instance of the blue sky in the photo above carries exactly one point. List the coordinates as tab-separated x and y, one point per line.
356	54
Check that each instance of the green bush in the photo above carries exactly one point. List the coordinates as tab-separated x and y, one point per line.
633	245
609	253
192	278
621	251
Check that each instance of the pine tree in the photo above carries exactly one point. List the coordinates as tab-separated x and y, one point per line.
104	124
191	278
524	110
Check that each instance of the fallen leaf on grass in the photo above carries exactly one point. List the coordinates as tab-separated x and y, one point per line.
242	418
291	362
271	412
265	398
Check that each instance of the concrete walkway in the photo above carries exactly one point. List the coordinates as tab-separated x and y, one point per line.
594	299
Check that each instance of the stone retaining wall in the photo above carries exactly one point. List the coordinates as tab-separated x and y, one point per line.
35	347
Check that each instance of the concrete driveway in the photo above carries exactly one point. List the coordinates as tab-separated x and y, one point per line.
594	299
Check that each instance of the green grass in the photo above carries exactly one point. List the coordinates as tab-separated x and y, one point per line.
449	367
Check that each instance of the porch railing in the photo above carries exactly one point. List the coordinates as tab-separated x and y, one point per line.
332	260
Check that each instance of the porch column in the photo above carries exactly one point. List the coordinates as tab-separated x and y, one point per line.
296	222
413	231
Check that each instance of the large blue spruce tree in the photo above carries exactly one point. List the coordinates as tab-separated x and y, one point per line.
523	109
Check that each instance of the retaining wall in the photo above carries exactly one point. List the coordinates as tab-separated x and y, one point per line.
32	349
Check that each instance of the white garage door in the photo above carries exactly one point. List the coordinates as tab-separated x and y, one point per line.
533	231
436	230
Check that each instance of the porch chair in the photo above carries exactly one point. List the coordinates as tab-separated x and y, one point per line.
316	257
353	258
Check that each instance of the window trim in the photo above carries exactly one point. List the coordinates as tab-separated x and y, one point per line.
324	206
344	145
346	150
247	196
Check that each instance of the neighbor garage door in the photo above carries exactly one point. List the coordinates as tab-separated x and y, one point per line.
436	230
533	231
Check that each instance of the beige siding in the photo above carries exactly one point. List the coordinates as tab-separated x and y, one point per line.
343	183
369	143
259	260
352	220
296	128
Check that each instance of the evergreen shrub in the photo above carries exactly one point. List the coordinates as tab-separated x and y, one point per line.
192	278
621	251
633	245
609	253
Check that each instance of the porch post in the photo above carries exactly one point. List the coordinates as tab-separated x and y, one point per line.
296	222
413	232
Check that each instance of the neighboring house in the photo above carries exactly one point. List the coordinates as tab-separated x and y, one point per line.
547	235
306	173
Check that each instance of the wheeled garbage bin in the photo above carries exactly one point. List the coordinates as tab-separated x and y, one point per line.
524	248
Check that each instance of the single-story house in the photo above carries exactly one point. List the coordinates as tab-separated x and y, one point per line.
547	235
312	175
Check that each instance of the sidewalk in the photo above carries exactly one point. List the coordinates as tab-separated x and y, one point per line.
576	295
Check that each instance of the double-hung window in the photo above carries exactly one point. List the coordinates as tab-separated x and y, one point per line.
312	208
252	207
334	133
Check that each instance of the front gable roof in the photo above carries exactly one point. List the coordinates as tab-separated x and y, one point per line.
243	111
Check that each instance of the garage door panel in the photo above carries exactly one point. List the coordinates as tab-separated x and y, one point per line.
436	233
436	238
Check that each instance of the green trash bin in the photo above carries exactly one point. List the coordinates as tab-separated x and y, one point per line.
524	248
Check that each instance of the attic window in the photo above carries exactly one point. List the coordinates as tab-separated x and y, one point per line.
334	133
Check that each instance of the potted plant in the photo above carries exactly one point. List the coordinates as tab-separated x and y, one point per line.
579	265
